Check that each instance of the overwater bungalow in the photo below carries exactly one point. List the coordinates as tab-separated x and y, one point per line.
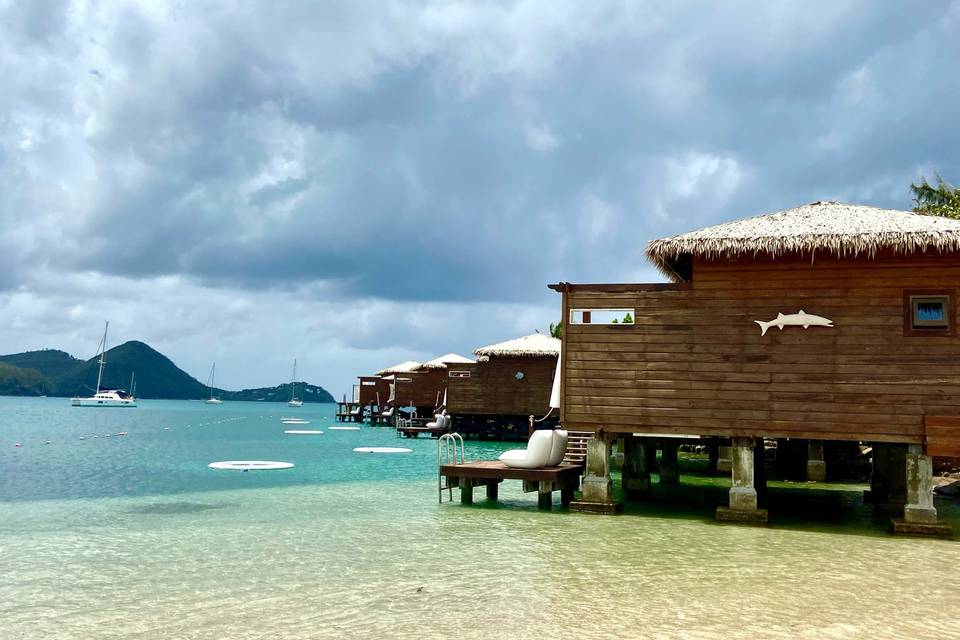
827	322
379	392
372	392
511	381
425	385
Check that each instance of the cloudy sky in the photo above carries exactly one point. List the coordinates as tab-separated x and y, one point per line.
358	183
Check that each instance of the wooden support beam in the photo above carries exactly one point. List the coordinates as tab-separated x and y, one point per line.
545	495
466	490
493	487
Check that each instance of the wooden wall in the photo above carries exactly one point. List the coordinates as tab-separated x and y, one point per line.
695	361
421	388
493	389
368	392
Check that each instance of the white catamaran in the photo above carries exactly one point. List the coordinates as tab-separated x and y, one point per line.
294	401
105	397
210	379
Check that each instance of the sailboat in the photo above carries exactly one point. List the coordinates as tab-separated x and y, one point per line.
105	397
294	401
210	379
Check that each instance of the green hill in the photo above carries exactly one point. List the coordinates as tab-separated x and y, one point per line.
52	363
157	376
280	393
15	381
53	372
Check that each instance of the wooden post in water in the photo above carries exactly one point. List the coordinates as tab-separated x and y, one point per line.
545	495
466	491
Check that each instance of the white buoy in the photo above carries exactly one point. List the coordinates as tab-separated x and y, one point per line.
382	450
250	465
303	432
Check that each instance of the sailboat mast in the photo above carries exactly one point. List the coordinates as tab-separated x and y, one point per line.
293	381
213	372
103	349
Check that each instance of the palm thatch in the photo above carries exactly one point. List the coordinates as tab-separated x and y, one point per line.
443	361
844	230
403	367
536	345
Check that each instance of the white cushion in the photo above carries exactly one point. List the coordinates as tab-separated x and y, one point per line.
534	456
513	454
559	448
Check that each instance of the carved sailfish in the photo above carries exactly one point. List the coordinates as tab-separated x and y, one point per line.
801	319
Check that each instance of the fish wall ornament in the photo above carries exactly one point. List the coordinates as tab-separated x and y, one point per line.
801	319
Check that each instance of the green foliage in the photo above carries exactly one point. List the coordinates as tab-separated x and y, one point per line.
628	319
15	381
280	393
556	330
941	200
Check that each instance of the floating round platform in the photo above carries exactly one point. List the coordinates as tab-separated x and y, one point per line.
250	465
382	450
303	432
344	428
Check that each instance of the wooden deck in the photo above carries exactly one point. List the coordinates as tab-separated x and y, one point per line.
413	432
490	473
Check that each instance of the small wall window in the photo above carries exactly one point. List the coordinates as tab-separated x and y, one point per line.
601	316
928	312
368	383
459	374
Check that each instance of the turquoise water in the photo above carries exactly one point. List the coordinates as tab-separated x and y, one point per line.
134	537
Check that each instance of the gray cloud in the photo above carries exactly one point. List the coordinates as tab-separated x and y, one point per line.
441	156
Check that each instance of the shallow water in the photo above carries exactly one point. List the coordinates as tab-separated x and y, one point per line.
133	537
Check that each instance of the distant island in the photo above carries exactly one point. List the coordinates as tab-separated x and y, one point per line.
56	373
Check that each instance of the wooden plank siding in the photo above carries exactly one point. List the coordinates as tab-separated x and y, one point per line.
493	389
695	362
943	436
422	389
370	387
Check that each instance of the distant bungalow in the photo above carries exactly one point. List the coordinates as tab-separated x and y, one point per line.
492	397
511	381
827	322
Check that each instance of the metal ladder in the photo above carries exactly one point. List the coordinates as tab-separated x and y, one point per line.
449	451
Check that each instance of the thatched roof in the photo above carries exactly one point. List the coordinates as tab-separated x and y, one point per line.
536	345
844	230
443	361
403	367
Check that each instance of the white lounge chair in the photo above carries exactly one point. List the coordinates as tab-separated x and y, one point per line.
441	420
536	455
559	449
